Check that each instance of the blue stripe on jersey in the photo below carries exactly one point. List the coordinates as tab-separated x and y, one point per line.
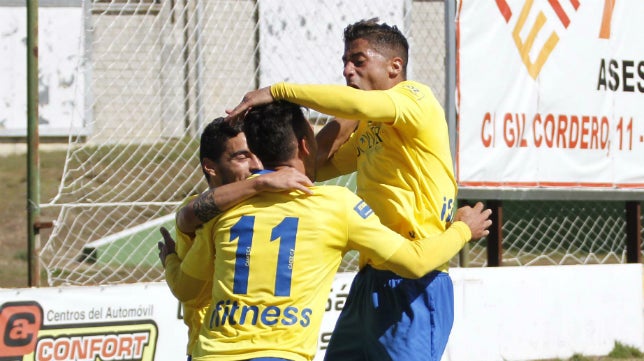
363	209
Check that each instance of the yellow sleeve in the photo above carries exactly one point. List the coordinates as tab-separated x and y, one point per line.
199	262
388	249
366	234
182	286
425	255
339	100
183	242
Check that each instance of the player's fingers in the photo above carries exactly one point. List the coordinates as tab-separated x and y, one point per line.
478	206
303	188
240	109
305	181
166	235
235	117
233	113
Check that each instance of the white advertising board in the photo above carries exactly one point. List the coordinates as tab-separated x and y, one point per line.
121	322
126	322
549	94
501	313
61	74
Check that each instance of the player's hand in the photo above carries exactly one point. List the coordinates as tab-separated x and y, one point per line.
285	179
167	246
477	218
251	99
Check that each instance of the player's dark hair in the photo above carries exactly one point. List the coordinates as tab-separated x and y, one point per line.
384	38
273	130
213	140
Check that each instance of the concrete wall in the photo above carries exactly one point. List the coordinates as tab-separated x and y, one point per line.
529	313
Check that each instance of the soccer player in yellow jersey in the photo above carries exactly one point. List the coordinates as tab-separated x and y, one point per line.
226	163
273	257
224	158
400	150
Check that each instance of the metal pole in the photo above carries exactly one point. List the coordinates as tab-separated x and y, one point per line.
198	67
450	101
450	71
495	238
633	232
33	161
186	66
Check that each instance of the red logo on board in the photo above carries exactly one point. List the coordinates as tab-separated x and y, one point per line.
19	326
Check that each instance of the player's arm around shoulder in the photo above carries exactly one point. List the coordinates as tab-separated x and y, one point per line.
211	203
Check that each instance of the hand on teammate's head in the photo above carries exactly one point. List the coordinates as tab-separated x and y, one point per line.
234	117
256	97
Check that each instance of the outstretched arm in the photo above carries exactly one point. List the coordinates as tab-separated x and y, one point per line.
336	100
216	200
424	255
387	249
339	100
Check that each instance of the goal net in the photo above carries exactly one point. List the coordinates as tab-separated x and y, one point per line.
151	74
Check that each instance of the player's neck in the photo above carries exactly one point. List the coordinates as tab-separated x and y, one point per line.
297	164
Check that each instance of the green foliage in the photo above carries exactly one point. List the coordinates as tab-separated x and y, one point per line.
579	357
624	351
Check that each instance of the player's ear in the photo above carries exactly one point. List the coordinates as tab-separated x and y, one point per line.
209	167
395	67
304	147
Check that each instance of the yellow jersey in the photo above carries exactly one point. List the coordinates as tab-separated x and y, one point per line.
194	310
273	258
400	150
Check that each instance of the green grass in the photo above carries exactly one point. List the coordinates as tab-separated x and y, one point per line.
124	248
